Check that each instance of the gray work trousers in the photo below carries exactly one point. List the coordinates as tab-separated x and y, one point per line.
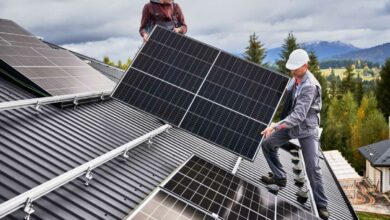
310	151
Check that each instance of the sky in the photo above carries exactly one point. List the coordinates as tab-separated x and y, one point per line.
100	28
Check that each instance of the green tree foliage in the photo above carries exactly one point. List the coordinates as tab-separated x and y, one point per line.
255	52
341	116
370	127
383	89
348	83
119	64
289	45
314	67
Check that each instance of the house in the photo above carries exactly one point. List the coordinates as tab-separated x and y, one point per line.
39	145
377	157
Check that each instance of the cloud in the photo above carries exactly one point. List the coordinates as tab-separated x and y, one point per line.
115	48
87	25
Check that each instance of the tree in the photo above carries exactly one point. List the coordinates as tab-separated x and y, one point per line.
359	89
314	67
119	64
290	44
255	52
383	89
370	127
341	116
348	83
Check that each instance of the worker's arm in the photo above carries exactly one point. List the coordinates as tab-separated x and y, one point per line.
299	113
144	21
180	18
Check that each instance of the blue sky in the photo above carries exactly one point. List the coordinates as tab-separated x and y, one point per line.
98	28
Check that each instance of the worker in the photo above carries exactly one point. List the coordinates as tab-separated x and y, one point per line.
165	13
301	122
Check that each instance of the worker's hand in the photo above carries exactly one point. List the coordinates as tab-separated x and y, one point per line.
145	37
268	131
177	30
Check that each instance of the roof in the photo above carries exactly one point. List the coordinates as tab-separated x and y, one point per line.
111	72
340	166
378	153
39	146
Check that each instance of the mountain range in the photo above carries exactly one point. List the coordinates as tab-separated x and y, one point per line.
337	50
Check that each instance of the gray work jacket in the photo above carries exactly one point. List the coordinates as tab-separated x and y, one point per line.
304	118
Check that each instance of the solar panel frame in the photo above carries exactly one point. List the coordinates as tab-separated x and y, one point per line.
199	93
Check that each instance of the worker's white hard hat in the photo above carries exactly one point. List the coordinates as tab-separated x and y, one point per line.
297	59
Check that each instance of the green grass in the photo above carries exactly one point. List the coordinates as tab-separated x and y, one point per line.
369	216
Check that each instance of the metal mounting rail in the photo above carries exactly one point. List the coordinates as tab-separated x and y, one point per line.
25	199
37	102
309	188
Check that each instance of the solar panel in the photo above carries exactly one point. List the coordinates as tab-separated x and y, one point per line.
204	90
53	72
227	196
167	207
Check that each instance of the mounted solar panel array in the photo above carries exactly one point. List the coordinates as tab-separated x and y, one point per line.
204	90
48	71
202	187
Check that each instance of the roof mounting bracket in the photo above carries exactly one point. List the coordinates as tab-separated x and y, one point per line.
38	106
88	176
125	156
76	100
150	141
28	208
237	165
102	96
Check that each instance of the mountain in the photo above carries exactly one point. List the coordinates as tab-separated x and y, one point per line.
377	54
323	49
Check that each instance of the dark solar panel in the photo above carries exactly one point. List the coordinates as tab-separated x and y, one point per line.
55	72
222	98
220	192
227	196
167	207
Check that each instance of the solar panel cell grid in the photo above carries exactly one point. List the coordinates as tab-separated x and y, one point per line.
166	207
165	101
220	192
232	100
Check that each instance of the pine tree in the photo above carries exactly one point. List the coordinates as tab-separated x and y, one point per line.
348	83
359	89
255	52
290	44
383	89
314	67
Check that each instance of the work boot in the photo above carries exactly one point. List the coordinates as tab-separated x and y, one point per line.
323	213
271	180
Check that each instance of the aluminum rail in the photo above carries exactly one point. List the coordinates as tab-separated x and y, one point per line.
25	199
311	195
37	102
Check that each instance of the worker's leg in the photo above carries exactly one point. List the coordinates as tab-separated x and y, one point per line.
270	148
310	151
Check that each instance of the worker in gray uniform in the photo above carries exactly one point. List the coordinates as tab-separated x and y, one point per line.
301	121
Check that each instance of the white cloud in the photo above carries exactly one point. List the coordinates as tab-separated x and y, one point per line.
87	25
115	48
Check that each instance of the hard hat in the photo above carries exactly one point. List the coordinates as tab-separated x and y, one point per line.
297	59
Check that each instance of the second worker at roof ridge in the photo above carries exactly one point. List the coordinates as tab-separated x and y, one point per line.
165	13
